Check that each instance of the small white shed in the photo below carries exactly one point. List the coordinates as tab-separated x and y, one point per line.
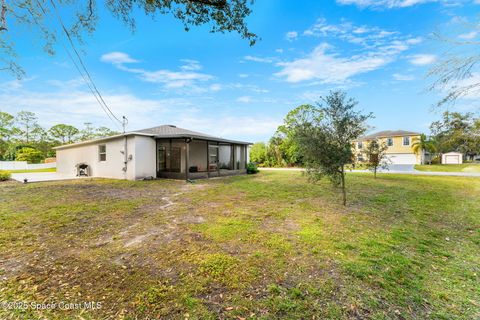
452	158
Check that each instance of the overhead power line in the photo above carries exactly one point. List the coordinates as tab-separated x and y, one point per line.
81	65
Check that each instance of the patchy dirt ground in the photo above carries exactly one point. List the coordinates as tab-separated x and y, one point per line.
264	246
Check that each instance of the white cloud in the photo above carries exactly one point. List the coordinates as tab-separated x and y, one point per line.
191	65
186	78
216	87
233	127
373	48
329	67
392	3
403	77
78	106
117	58
75	105
244	99
468	36
291	35
258	59
422	59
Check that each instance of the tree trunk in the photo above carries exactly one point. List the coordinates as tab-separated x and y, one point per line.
375	173
344	192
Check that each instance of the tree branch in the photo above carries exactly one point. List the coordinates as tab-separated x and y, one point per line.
218	4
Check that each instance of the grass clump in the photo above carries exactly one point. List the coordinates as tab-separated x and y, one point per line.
5	175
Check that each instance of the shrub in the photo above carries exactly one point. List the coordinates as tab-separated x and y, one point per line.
252	168
30	155
4	175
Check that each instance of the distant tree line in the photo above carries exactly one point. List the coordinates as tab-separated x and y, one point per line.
455	131
23	139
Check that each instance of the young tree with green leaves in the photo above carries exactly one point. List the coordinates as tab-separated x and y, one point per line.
31	155
324	134
376	155
258	152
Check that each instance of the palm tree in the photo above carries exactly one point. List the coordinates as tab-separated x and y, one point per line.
424	144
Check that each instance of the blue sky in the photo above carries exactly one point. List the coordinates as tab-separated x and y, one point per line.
379	51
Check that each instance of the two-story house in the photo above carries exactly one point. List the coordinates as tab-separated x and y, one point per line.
399	142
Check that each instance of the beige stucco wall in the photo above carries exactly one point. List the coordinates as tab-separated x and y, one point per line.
142	163
398	149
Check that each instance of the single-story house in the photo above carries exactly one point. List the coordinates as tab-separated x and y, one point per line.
452	158
162	152
400	146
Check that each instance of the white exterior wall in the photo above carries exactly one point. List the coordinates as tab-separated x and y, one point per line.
403	158
145	157
452	158
142	162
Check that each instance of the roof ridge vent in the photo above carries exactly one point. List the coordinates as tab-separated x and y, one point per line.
171	125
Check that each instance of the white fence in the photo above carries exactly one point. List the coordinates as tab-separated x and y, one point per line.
23	165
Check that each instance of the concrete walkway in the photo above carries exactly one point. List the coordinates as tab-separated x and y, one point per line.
42	176
412	172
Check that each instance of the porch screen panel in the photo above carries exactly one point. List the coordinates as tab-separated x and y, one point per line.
240	157
225	157
177	156
163	155
212	157
198	156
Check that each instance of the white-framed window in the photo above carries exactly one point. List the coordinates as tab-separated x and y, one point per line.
102	152
406	141
360	145
390	142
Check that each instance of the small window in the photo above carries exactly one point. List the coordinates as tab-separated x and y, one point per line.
360	145
389	142
406	141
102	152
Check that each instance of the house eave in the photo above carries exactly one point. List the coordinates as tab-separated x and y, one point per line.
93	141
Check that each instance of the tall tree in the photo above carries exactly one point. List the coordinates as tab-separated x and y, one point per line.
27	120
105	132
64	132
222	16
6	125
87	132
456	132
376	155
324	134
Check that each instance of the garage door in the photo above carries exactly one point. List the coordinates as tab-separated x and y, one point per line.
452	160
403	158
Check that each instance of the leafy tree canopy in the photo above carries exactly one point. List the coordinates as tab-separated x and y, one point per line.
324	134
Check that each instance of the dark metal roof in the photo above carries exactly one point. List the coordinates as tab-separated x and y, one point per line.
171	131
165	132
389	133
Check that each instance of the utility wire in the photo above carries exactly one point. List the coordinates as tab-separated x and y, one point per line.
85	74
76	66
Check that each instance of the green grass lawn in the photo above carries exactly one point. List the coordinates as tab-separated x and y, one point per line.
266	246
466	167
33	170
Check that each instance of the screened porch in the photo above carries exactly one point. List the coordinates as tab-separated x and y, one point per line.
196	159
